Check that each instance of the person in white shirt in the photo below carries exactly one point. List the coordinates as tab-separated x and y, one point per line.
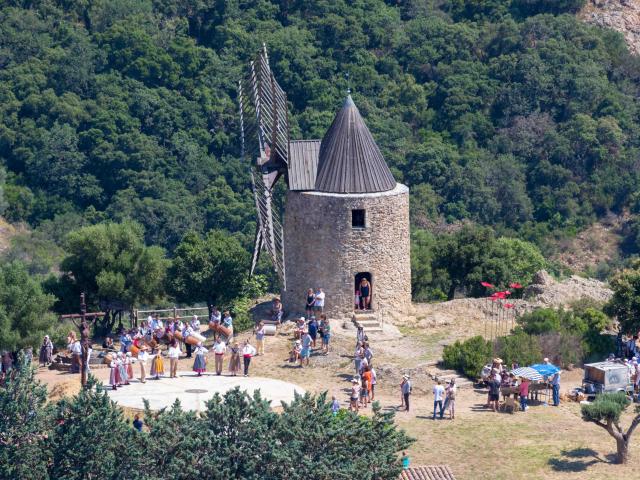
143	356
438	398
247	352
76	356
219	349
174	354
318	304
195	324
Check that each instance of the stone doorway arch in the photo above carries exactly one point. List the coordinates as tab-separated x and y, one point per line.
357	279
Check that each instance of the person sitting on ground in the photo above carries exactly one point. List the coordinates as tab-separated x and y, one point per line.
294	354
108	343
276	310
300	328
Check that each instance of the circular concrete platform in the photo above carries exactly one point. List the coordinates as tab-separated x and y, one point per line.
194	391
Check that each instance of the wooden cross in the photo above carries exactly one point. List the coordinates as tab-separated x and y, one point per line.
83	326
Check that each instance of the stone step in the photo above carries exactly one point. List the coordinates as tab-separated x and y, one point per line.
373	330
367	316
366	323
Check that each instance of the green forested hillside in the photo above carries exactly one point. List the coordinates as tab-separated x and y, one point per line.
508	113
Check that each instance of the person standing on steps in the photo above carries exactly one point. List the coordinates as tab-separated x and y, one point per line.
405	387
247	353
365	293
438	398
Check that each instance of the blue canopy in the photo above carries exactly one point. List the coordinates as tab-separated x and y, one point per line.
545	369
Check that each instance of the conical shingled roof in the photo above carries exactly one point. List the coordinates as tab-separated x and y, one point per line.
349	160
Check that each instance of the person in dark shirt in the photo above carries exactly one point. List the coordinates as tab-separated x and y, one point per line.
494	392
137	423
312	328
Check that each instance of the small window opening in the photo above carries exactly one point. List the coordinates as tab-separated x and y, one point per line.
358	219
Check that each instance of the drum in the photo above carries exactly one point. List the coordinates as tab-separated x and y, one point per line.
153	343
134	350
191	340
270	330
107	358
178	336
201	338
221	329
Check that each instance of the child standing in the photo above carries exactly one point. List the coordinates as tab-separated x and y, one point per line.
129	364
157	366
113	373
200	363
234	362
260	332
356	300
247	353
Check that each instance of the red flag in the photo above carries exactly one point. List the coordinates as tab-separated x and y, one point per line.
500	295
507	292
487	284
515	285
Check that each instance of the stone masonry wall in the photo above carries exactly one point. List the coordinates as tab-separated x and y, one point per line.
323	250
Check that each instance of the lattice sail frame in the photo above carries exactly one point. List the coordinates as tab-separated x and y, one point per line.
264	124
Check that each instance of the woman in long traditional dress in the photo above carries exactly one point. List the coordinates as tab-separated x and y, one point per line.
113	373
157	366
200	363
46	351
234	363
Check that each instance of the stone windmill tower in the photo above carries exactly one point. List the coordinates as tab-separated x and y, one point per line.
345	216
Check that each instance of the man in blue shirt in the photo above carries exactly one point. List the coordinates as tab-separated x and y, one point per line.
312	328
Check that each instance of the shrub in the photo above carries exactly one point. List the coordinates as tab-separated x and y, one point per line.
520	348
469	356
562	348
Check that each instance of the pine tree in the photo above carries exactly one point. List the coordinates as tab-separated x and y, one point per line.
92	440
25	420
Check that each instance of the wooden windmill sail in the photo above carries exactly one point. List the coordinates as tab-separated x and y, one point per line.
264	124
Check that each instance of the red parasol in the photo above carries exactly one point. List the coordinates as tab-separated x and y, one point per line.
515	285
487	284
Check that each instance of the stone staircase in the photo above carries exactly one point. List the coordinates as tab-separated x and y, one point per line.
369	320
437	373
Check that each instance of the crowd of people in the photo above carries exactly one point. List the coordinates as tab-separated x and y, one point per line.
306	333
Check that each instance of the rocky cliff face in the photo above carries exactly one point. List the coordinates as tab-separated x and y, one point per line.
620	15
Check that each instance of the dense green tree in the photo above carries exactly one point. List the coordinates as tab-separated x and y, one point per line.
211	268
25	425
625	303
25	315
91	439
111	264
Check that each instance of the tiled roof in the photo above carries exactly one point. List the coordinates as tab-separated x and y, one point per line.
350	161
430	472
303	164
